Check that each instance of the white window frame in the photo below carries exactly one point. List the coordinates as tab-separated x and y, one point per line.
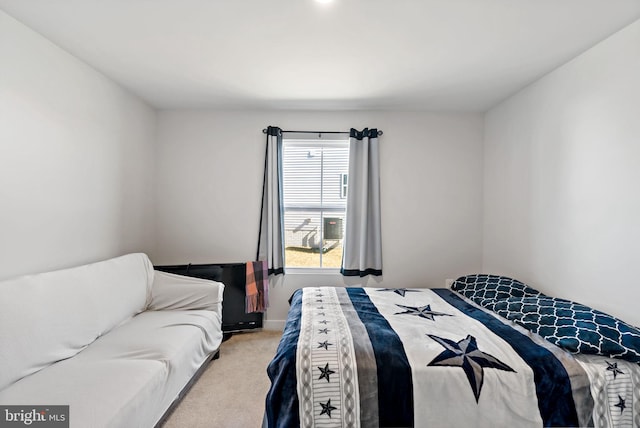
321	141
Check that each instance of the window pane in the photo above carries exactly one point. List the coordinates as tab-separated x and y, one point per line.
335	165
333	232
301	174
314	179
302	239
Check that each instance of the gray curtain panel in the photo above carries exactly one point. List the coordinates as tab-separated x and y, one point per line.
362	254
271	235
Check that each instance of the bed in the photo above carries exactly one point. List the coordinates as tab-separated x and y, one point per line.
490	352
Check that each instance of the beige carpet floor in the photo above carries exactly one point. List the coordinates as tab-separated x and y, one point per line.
231	391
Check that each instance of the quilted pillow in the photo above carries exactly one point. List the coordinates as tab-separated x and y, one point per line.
482	288
572	326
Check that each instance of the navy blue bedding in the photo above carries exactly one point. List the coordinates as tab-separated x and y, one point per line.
417	357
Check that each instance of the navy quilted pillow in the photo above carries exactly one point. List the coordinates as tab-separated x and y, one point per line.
482	287
574	327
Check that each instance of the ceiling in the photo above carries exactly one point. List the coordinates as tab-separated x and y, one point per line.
447	55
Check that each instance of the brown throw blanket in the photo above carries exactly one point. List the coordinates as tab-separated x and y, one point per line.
257	287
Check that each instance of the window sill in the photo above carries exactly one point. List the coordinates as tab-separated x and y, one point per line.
311	271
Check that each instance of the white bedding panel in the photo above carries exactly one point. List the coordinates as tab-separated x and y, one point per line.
518	390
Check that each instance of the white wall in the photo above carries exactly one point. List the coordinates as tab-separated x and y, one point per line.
209	185
562	180
76	159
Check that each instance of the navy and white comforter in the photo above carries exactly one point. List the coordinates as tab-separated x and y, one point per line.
353	357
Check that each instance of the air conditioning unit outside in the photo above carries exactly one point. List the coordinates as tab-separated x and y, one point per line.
333	228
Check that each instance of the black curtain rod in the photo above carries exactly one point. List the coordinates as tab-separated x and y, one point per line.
264	131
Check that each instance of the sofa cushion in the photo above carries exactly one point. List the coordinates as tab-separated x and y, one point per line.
52	316
99	393
170	291
129	377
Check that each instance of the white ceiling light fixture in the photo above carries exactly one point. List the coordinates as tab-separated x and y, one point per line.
324	1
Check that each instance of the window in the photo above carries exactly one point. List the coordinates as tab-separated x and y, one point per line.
314	194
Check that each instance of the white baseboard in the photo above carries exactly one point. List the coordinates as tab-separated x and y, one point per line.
276	325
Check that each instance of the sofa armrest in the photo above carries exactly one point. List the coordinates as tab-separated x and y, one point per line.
170	291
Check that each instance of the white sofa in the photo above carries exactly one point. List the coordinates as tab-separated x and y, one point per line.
114	340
